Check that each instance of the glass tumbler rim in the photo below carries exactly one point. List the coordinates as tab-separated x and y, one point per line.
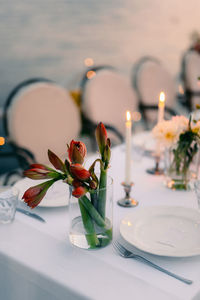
197	184
4	188
109	183
9	197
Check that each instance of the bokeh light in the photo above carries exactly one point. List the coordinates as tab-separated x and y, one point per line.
90	74
2	140
88	62
136	116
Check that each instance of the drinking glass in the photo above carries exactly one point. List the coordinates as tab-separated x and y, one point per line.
91	218
8	203
197	191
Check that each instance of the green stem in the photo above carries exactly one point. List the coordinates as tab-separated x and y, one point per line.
185	169
95	215
102	193
94	199
89	226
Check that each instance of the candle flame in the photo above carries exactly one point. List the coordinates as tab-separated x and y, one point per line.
2	140
162	97
128	115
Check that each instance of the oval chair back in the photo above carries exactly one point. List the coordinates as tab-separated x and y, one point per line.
190	73
40	115
106	96
149	79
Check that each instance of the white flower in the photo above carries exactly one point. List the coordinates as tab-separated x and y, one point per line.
196	127
166	133
181	122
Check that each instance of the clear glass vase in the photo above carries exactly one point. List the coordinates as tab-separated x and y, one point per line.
181	170
91	218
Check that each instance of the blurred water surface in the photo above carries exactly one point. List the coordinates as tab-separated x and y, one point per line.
51	38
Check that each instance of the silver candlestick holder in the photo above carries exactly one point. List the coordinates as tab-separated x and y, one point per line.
127	201
156	170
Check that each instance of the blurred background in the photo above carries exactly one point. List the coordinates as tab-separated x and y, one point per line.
52	38
60	39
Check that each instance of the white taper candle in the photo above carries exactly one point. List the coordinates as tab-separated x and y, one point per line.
161	111
161	107
128	148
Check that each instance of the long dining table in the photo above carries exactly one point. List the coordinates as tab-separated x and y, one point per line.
38	262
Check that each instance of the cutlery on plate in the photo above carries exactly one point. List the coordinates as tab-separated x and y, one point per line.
30	214
122	251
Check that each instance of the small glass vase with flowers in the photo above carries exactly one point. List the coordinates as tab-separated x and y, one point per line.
180	138
90	192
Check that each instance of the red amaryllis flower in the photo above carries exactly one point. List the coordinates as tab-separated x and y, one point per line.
38	174
39	166
34	195
39	171
79	172
79	191
101	137
76	183
56	161
77	152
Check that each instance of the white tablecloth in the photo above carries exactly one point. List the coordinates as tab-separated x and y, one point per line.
37	261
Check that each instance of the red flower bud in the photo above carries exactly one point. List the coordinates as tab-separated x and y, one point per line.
37	174
93	184
34	195
76	183
79	191
67	165
77	152
107	154
56	161
101	137
39	166
108	142
79	172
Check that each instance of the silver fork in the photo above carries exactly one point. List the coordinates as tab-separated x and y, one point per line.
121	250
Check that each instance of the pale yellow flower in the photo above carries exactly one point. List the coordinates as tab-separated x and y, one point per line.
166	133
196	127
181	122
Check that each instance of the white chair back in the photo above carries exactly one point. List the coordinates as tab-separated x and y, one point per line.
150	78
106	98
191	74
42	116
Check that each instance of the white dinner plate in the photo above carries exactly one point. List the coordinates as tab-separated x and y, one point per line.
57	195
163	230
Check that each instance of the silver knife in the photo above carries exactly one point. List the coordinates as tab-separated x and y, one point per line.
30	214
